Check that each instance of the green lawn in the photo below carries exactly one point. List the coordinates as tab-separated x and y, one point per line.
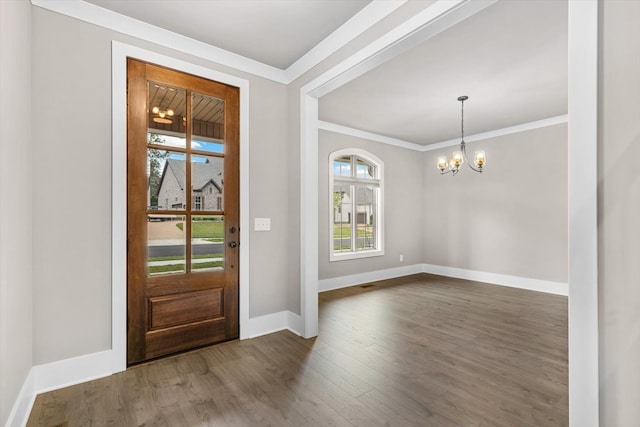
344	230
210	230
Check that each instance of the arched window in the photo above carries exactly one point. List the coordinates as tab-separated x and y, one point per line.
355	205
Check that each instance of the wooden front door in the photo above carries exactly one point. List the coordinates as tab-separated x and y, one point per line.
183	211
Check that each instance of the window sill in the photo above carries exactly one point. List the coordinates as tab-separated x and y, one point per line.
354	255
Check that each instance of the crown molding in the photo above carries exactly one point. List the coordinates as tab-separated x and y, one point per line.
123	24
345	130
537	124
358	133
358	24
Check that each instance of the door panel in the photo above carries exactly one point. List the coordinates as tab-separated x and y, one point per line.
183	211
185	307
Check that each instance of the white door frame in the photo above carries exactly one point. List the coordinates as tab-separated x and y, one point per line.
119	54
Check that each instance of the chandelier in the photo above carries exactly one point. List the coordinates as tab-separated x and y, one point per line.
162	116
459	157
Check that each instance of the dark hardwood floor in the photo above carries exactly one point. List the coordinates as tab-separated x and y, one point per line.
421	350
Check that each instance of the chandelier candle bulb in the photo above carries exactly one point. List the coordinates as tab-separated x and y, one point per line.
442	163
456	158
481	159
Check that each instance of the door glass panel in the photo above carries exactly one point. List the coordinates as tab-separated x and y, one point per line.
207	174
166	172
167	120
341	217
207	125
166	244
207	242
366	217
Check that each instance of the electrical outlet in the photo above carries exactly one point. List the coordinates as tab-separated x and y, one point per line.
262	224
401	258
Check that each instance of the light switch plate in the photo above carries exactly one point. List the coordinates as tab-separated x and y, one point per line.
262	224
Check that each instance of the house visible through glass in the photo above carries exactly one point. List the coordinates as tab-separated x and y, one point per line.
185	183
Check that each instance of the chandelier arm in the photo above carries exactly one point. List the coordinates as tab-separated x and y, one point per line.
463	148
475	170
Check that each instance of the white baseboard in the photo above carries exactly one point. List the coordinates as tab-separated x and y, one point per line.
76	370
22	408
369	276
56	375
557	288
295	324
269	323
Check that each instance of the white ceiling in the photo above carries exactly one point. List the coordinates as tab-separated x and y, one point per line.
510	59
274	32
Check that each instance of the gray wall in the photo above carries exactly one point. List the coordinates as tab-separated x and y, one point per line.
511	219
403	194
16	302
271	258
72	152
619	214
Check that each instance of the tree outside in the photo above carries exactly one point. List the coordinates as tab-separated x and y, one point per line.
156	159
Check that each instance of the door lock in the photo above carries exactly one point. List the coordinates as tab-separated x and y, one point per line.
233	244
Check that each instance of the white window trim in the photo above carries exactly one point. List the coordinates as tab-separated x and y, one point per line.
365	155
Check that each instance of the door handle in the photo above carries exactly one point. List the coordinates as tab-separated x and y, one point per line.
233	244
